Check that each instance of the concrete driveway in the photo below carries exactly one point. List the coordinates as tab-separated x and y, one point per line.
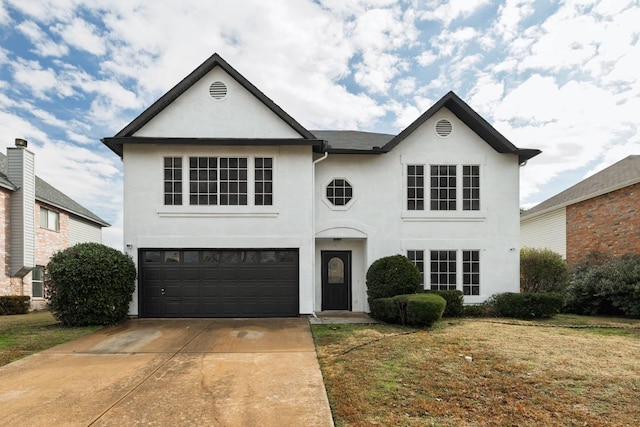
182	372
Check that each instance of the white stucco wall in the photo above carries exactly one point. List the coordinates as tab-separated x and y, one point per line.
196	114
379	206
546	231
286	224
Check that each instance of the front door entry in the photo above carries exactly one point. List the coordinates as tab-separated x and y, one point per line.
336	280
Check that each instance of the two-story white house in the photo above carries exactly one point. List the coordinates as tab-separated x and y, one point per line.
233	209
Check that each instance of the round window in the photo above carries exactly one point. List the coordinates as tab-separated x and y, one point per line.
339	192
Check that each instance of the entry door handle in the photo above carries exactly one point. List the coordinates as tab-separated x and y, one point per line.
162	291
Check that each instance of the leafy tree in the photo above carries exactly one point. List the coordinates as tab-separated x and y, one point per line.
90	284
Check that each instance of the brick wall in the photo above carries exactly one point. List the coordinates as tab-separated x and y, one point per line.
4	242
50	241
607	225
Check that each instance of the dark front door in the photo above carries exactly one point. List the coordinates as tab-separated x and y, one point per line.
336	280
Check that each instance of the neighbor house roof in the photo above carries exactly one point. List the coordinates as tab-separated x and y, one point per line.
51	196
126	135
619	175
351	141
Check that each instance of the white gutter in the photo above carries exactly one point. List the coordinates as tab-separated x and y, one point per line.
313	228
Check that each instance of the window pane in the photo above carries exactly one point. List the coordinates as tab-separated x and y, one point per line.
471	188
339	192
443	187
415	187
335	270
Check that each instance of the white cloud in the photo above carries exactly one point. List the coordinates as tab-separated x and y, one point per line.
38	80
43	46
82	35
452	10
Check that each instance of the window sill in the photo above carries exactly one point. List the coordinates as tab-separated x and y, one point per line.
217	212
444	216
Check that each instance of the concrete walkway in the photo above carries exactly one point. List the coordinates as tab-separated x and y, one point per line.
183	372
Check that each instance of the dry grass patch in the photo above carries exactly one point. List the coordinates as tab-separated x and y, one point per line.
518	375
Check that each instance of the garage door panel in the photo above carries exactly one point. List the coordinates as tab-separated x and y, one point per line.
219	283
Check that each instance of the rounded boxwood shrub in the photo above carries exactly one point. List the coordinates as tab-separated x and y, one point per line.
14	304
413	309
90	284
455	302
391	276
525	306
542	270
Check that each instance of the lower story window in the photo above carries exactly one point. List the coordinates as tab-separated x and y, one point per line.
443	270
417	258
471	272
37	282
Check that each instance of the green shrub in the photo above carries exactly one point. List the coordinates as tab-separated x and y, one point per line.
90	284
14	304
473	310
542	270
611	288
413	309
422	309
455	302
391	276
525	306
385	310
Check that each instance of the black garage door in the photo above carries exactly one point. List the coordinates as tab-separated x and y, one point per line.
218	283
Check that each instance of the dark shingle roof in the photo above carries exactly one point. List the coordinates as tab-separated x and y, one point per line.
352	141
48	194
622	174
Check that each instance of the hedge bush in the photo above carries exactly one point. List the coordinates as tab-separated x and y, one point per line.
14	304
611	288
413	309
542	270
391	276
455	302
90	284
525	306
474	310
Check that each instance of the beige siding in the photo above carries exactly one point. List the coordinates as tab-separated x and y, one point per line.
548	230
81	232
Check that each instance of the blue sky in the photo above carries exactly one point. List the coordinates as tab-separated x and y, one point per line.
559	76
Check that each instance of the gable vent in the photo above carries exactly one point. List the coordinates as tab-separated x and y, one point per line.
444	128
218	90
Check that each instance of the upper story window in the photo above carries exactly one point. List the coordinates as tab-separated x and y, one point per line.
233	181
49	219
203	180
415	187
219	181
339	192
263	181
470	188
172	180
443	188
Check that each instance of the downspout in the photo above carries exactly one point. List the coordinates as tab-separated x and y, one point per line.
313	228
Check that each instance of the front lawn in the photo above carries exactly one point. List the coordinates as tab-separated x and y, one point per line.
25	334
484	372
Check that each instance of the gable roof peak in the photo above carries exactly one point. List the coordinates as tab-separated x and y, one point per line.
473	120
203	69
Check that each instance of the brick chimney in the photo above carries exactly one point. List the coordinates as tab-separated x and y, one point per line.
21	172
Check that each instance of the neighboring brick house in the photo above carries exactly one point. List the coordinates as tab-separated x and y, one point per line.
599	216
37	220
